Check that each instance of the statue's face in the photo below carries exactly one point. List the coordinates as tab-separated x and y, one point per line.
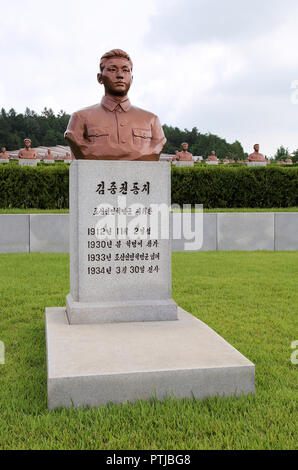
257	147
3	149
116	76
213	152
184	146
27	143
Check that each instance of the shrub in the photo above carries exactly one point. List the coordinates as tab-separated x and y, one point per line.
223	187
46	187
42	187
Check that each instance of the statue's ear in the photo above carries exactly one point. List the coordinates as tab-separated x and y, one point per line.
99	78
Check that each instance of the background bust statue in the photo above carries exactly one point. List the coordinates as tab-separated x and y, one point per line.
114	129
27	152
3	153
184	155
212	157
256	156
49	155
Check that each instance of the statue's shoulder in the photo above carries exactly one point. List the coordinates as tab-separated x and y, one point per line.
143	112
87	110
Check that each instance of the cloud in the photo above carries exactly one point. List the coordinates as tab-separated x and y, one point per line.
185	22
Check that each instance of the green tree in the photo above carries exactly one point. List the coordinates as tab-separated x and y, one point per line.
295	156
282	153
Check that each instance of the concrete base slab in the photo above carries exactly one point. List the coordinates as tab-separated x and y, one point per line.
256	163
118	362
186	163
28	161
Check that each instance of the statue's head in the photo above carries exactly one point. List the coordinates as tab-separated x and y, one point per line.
256	147
49	151
27	143
115	72
213	152
184	146
3	149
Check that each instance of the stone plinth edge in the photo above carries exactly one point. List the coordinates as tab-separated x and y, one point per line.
128	311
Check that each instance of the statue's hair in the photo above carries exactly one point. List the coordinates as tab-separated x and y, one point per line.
113	53
27	139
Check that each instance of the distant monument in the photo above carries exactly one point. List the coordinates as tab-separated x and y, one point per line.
4	157
28	156
212	159
184	155
256	158
184	158
289	161
226	160
27	152
49	157
67	158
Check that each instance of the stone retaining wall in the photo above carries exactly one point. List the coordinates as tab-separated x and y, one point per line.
221	231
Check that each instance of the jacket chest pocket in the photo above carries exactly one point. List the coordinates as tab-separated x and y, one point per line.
142	136
97	134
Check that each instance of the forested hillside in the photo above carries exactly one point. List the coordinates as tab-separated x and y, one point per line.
47	129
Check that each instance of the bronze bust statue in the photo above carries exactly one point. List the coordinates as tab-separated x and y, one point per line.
3	153
256	156
27	152
114	129
184	155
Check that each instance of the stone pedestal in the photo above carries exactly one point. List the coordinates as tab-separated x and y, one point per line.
28	161
184	163
120	250
211	163
48	161
68	160
256	163
4	160
109	343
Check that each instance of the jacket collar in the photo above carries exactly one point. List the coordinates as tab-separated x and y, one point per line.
111	105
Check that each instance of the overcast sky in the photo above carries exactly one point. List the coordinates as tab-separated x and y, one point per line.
224	66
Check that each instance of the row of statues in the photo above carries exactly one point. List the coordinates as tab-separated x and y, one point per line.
28	153
184	155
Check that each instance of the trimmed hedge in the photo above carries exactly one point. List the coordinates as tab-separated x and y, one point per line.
46	187
42	187
221	187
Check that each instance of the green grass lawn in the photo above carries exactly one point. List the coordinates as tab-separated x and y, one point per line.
65	211
34	211
249	298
